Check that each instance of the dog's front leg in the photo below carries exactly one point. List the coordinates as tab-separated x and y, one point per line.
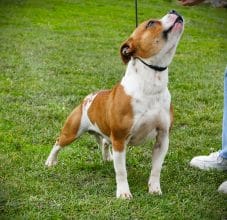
158	155
119	158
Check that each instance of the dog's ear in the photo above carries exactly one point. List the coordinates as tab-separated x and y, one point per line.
127	50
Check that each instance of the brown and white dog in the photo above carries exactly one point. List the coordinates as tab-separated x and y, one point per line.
136	109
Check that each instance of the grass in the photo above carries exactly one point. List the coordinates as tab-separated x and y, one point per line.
53	53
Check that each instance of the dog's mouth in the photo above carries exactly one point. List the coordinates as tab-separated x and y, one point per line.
177	23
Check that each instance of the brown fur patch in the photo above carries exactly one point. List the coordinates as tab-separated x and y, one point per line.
144	42
98	111
111	110
71	127
121	117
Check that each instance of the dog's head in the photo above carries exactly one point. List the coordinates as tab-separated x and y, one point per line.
155	40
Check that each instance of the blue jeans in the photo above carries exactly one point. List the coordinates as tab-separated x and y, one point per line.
223	152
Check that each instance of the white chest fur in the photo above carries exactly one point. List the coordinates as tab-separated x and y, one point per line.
150	100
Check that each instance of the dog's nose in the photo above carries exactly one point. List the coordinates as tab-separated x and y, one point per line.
174	12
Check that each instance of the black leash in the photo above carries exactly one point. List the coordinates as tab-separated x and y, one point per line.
136	13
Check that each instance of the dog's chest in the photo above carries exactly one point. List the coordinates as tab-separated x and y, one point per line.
150	113
150	100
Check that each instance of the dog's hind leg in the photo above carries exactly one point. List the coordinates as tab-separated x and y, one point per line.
106	152
105	147
52	158
72	129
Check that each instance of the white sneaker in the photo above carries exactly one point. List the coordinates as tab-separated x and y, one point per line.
212	161
223	188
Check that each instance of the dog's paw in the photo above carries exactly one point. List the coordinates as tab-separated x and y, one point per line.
124	195
155	189
108	157
51	162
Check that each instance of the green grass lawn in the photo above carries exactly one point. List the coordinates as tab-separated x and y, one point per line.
52	54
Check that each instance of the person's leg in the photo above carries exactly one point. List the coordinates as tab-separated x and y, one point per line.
223	152
223	187
216	160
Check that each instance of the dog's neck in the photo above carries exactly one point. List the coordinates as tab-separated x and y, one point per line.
151	66
141	78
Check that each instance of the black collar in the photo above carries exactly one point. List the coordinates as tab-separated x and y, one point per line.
157	68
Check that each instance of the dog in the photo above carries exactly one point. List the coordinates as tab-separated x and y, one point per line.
136	109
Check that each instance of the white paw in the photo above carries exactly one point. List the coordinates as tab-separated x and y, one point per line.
108	157
124	195
51	161
154	188
123	192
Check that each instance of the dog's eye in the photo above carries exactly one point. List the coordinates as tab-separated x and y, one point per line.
150	24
